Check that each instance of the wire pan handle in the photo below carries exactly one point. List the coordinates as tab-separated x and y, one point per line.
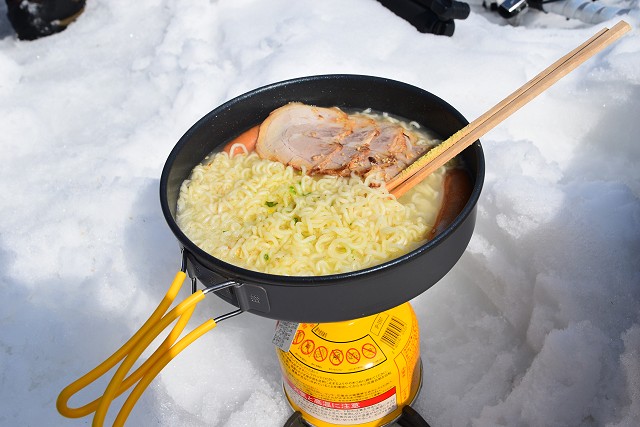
130	352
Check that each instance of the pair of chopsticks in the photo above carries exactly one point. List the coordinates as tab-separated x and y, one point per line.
447	150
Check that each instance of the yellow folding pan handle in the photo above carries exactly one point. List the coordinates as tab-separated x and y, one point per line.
130	352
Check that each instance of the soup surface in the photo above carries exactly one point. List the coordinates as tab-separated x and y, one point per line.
266	216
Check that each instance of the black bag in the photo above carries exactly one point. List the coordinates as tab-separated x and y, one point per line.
32	19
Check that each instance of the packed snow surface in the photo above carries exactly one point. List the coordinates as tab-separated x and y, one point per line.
538	324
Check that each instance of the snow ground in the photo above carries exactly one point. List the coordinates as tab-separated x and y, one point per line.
537	325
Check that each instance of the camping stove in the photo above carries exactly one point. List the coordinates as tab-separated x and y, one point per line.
363	372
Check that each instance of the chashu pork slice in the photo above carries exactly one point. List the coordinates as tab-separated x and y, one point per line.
392	151
359	134
328	141
301	135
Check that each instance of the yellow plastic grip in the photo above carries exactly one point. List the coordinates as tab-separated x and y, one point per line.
157	367
131	351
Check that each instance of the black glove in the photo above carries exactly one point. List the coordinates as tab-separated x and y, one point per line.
38	18
429	16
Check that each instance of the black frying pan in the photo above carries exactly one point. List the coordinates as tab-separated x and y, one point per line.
341	296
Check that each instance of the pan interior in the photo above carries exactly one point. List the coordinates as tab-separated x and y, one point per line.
350	92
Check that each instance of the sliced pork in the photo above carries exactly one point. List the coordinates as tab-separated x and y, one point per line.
330	142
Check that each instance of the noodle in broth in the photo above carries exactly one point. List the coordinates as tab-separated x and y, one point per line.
268	217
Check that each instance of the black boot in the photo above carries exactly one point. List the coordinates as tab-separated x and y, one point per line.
32	19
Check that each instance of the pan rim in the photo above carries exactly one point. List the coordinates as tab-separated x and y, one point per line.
244	275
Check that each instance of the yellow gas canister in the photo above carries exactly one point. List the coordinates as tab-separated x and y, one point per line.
360	372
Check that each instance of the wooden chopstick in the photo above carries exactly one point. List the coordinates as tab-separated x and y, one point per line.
445	151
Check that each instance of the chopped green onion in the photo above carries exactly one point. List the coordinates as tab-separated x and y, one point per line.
270	204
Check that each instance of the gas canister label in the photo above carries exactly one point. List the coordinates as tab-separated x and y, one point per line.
357	372
343	413
339	357
284	334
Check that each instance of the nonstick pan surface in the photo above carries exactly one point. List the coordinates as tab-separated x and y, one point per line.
334	297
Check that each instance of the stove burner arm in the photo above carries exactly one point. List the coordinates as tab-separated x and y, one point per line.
409	418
